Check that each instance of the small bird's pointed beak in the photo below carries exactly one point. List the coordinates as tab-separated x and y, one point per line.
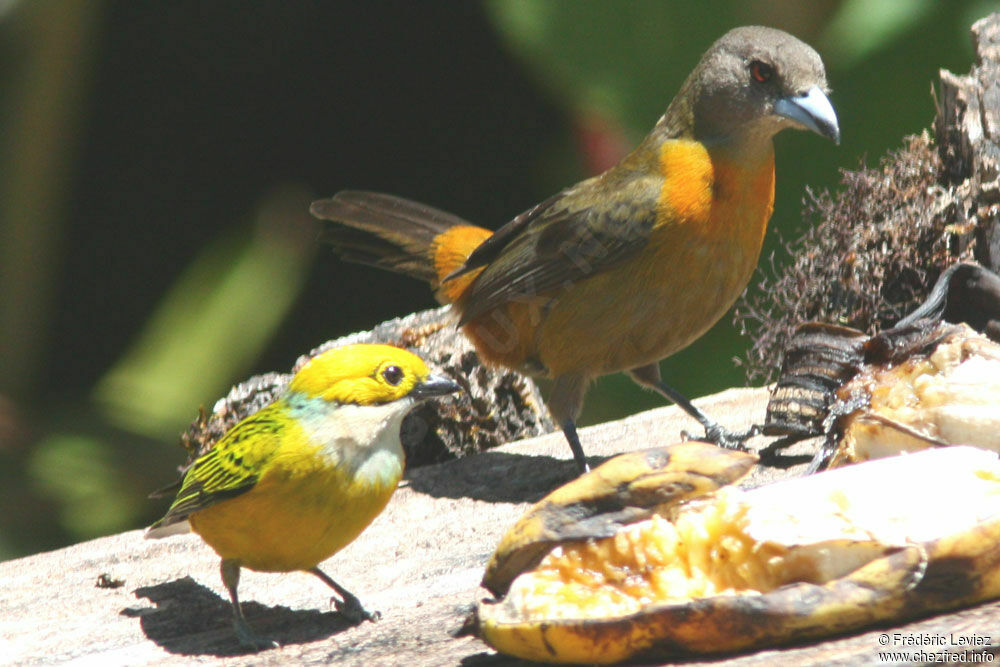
434	385
812	111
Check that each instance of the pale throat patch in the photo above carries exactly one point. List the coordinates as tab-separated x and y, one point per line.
363	440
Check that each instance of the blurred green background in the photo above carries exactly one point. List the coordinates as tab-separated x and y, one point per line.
157	160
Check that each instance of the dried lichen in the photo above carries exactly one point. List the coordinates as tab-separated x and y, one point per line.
870	256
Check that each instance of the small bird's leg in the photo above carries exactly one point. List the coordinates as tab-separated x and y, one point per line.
649	376
349	605
231	578
565	402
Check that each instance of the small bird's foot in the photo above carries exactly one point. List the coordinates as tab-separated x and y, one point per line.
348	603
353	611
722	437
230	569
249	640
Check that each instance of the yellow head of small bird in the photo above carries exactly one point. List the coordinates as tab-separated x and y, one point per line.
292	484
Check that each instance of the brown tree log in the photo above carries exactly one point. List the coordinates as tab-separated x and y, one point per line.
125	600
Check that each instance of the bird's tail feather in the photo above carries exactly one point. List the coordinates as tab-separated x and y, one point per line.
157	531
386	231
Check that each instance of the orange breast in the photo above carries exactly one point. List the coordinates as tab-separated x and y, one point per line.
701	253
686	195
712	216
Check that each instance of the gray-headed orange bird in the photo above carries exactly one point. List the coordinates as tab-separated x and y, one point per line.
628	267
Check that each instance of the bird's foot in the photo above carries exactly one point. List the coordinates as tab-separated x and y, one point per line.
569	430
722	437
249	640
353	611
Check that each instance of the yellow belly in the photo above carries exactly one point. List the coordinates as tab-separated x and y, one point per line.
294	519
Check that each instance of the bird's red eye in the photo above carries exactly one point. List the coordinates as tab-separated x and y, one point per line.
761	72
393	375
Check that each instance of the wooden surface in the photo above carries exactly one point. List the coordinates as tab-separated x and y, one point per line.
419	563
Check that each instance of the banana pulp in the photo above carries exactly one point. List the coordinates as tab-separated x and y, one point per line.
824	553
949	396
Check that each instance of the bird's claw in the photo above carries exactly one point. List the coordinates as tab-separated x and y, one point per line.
352	610
252	641
722	437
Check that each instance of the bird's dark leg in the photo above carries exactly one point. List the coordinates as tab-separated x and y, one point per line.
569	430
348	605
564	404
649	376
231	578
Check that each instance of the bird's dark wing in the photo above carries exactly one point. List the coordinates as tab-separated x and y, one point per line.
580	232
492	247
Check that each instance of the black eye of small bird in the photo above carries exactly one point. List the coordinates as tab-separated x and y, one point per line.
393	375
761	71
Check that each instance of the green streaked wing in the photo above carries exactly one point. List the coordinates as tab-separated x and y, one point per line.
168	490
229	468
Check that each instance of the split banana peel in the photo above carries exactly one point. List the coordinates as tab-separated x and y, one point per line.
715	571
915	386
622	491
949	394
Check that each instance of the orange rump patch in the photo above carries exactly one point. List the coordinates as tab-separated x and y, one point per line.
449	251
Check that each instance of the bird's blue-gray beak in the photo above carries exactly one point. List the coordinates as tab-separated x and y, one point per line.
434	385
812	111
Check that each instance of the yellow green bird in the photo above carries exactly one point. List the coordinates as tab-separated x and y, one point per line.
294	483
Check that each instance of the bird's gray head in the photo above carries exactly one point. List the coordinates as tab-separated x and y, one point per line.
757	81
